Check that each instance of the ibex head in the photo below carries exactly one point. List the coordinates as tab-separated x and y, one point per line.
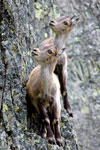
63	24
46	54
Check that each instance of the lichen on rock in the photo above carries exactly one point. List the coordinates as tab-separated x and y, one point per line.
22	24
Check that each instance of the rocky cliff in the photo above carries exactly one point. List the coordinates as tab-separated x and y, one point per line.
23	24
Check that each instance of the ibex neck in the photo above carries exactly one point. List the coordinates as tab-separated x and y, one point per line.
60	40
49	67
46	76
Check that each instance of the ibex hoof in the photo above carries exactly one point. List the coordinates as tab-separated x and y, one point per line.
51	140
44	135
69	111
59	142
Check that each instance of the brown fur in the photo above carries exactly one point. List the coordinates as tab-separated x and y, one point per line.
43	88
62	32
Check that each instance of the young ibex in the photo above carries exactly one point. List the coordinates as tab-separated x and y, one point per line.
43	89
62	28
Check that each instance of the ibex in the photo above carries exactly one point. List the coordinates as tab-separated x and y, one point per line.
43	89
62	28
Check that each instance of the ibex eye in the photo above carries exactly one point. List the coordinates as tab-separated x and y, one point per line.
65	22
50	51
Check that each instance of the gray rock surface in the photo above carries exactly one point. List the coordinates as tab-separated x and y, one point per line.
83	49
23	24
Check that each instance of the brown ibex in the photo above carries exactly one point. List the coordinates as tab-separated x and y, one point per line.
62	28
43	89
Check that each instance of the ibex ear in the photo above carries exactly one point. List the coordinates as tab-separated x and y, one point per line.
61	51
75	19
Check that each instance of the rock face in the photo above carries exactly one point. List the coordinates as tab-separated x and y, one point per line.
23	24
83	49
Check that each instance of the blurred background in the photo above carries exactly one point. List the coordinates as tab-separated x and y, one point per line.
83	49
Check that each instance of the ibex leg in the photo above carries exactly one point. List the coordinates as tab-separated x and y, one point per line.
61	71
56	113
46	128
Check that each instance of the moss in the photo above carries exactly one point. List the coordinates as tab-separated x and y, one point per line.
5	107
38	5
38	13
85	110
15	48
29	53
8	126
16	108
42	9
38	10
83	99
76	39
96	92
46	35
61	124
12	31
37	141
68	147
4	43
54	12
